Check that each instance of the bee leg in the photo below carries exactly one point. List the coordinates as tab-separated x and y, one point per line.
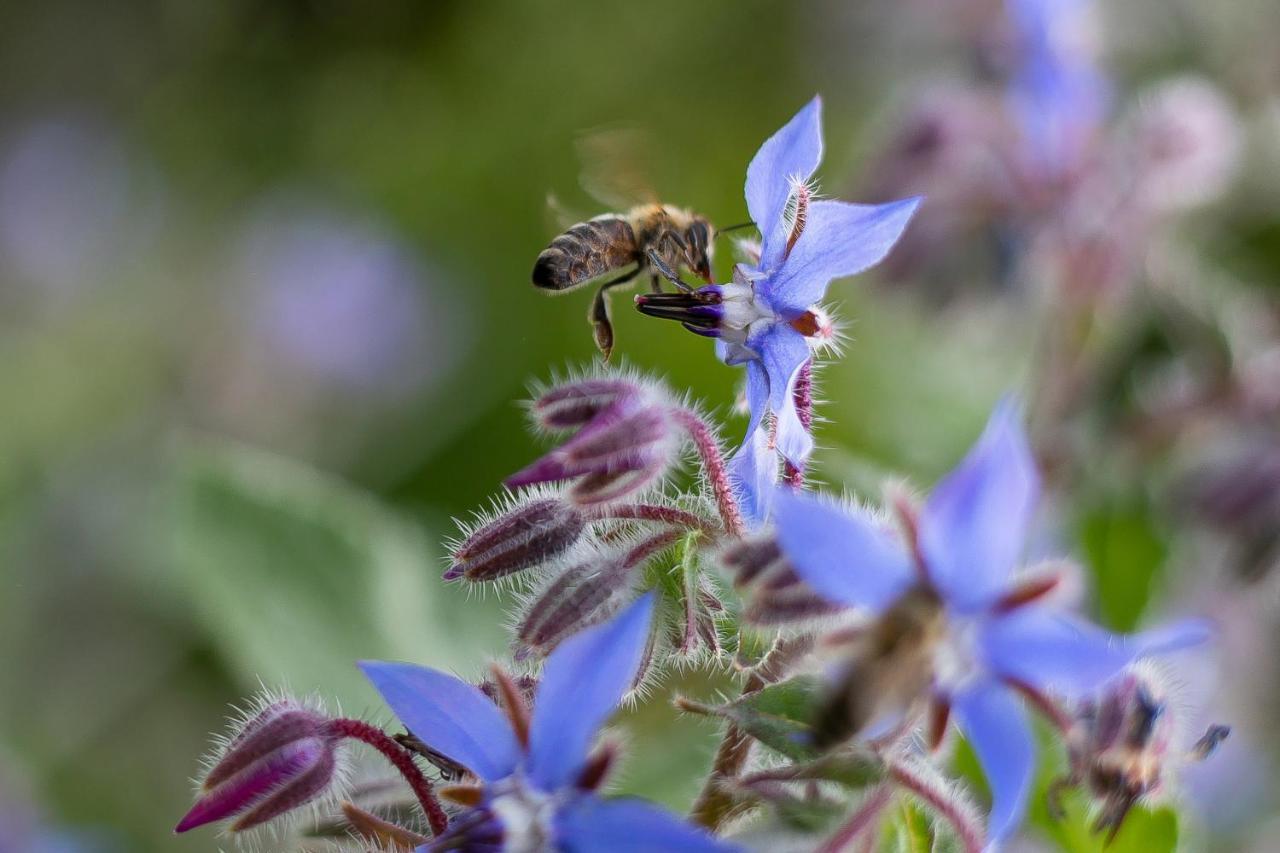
655	284
1205	747
598	316
667	272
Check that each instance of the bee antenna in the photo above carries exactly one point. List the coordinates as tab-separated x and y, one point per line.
737	227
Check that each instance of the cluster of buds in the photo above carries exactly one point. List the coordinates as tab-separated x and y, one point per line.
581	528
623	439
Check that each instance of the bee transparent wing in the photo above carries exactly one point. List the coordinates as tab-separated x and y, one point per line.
617	166
560	216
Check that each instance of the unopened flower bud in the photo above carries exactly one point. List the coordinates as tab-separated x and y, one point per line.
283	758
633	437
580	597
575	404
526	535
585	594
749	559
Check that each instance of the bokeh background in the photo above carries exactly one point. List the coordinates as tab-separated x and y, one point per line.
265	315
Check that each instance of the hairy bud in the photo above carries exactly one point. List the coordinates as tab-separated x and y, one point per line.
525	536
576	404
748	560
283	758
621	450
581	596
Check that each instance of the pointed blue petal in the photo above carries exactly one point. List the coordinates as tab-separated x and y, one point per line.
840	239
783	351
448	715
582	683
793	153
974	526
629	826
997	729
1069	656
848	558
753	471
794	442
757	394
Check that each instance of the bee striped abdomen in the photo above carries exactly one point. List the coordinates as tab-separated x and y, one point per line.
587	250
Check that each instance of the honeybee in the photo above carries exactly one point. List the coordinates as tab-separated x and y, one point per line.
657	239
888	667
1120	747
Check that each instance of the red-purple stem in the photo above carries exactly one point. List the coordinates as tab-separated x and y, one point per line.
402	760
714	466
971	836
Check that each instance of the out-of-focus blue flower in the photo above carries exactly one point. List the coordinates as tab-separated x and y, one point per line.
73	203
765	317
534	795
334	298
1001	638
1057	93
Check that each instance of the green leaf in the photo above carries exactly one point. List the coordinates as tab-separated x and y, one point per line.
778	715
295	576
1126	554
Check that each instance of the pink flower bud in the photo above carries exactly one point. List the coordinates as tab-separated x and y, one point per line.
283	758
527	535
575	404
622	449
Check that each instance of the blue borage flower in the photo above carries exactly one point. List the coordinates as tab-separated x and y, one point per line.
1001	638
764	318
534	794
1058	96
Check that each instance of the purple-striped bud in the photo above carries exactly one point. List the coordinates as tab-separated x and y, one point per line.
576	404
580	597
623	449
526	535
585	594
788	605
283	758
749	560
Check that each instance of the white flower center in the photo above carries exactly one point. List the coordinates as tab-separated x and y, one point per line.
526	815
743	315
957	660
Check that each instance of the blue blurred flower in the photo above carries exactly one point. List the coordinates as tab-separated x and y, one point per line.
764	318
1001	639
534	793
74	204
332	297
1057	93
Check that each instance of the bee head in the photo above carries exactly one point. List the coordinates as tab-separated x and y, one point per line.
698	248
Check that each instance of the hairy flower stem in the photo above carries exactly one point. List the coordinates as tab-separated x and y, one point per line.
944	803
863	818
651	512
715	802
793	475
714	466
401	759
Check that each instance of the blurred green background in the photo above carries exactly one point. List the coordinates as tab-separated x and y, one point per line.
266	317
